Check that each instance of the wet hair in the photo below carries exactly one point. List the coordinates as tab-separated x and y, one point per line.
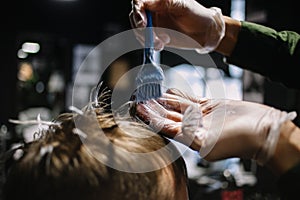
76	158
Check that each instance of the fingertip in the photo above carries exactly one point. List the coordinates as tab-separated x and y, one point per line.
142	112
139	19
159	47
172	91
140	108
157	107
131	20
137	14
158	44
165	38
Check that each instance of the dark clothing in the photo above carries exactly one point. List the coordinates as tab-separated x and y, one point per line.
289	184
275	55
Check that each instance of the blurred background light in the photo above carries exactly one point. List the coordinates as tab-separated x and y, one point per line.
21	54
30	47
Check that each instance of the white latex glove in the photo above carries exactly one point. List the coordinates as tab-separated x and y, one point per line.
217	128
204	25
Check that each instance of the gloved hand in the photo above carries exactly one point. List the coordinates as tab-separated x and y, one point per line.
217	128
204	25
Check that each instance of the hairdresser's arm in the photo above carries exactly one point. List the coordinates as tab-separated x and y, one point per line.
286	161
287	153
247	131
248	45
263	50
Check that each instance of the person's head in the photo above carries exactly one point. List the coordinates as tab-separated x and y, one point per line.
76	158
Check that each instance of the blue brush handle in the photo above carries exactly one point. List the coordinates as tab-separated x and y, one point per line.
148	37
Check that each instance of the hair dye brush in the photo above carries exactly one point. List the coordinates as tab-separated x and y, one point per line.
150	77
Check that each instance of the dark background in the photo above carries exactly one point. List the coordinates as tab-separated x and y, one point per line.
58	26
62	24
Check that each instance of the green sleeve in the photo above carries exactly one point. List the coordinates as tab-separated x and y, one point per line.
273	54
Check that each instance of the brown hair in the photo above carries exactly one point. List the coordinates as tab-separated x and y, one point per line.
71	161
